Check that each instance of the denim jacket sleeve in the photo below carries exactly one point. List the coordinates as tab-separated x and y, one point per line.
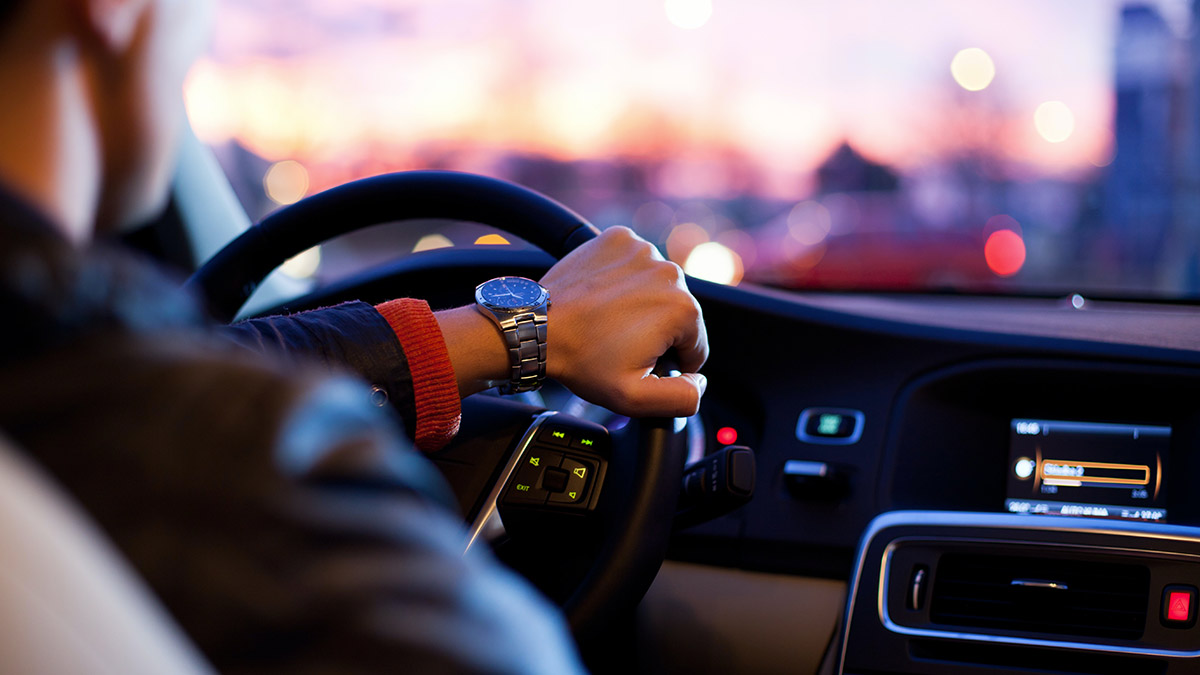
351	336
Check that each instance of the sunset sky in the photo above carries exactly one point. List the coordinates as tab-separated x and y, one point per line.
344	86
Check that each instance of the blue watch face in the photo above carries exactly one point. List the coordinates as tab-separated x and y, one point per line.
511	292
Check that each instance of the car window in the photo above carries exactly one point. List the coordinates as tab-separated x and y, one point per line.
1014	146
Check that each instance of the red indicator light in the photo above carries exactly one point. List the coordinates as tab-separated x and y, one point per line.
727	436
1179	606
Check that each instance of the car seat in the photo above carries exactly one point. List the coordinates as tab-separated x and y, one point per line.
68	602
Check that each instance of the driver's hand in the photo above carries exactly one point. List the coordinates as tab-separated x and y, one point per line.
616	306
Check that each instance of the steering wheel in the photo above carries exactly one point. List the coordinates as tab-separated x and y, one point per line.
628	521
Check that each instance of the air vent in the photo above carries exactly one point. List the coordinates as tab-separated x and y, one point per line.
1039	595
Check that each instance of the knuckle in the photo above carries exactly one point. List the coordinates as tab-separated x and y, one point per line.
642	249
620	233
669	271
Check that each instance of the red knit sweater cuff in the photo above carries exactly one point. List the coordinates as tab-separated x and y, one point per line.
435	389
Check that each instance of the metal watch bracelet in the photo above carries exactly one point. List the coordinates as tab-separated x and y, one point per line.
525	338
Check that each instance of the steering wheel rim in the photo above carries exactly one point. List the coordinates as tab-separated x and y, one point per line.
647	482
228	279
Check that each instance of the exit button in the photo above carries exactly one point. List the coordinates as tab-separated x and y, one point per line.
1179	606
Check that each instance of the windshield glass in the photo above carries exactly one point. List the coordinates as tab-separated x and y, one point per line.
1008	146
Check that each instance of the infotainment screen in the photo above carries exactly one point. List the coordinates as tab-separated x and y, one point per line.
1088	469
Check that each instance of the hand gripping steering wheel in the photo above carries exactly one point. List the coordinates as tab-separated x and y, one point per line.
624	523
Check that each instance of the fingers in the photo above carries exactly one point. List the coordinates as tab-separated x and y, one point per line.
654	396
691	343
616	307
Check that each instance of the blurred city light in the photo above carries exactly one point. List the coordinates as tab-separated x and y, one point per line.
492	240
809	222
1001	221
973	69
303	265
689	14
205	97
683	238
721	134
1054	121
716	263
286	182
652	217
741	243
431	242
1004	252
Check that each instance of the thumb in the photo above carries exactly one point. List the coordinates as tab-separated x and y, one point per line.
678	396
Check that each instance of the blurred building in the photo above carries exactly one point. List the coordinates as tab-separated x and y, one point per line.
1140	183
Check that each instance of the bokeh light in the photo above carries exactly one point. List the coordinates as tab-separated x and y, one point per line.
1054	121
1001	221
973	69
432	242
809	222
683	238
714	262
286	182
741	243
1004	252
303	265
689	14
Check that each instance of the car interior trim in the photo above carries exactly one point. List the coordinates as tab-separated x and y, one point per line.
1174	533
493	498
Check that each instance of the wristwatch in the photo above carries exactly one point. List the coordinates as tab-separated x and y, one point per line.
518	307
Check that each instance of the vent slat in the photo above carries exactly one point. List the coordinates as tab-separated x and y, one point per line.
1101	599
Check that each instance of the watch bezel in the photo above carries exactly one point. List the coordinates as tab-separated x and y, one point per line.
543	296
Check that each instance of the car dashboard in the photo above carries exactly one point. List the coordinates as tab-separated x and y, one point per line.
907	516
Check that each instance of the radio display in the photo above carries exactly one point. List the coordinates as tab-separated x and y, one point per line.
1088	469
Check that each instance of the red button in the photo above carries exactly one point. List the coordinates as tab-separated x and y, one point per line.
1179	606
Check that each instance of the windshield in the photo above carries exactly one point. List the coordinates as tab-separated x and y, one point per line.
1022	146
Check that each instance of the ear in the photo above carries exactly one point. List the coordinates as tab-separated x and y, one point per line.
114	22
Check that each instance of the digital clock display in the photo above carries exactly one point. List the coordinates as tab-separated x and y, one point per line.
1088	469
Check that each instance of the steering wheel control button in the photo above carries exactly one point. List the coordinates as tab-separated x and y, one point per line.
555	436
588	442
1179	606
555	479
527	486
579	476
830	426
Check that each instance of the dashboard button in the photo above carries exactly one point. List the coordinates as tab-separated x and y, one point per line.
1179	606
830	426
